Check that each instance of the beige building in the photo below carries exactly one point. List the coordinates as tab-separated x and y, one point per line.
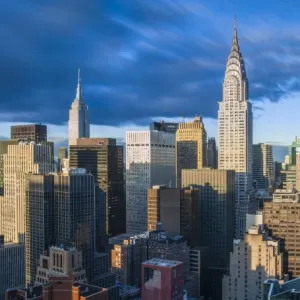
191	143
60	261
298	171
281	216
26	157
253	260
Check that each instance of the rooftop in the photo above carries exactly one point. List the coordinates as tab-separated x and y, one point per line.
162	262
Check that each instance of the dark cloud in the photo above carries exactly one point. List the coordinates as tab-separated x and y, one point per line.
139	59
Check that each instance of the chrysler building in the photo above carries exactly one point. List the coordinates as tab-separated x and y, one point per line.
235	133
79	126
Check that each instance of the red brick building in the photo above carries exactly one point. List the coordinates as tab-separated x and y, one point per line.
162	280
59	288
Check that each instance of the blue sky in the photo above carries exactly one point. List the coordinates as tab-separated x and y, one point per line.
144	60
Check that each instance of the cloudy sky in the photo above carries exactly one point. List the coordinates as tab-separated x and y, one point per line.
143	60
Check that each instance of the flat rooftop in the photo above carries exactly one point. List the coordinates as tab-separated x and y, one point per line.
162	262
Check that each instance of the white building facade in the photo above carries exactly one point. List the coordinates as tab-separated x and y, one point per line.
21	159
235	133
150	160
79	126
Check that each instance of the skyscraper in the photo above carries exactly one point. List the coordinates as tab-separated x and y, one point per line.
26	157
39	220
103	158
235	133
216	189
212	154
190	147
78	117
263	172
164	126
293	150
62	155
150	160
74	217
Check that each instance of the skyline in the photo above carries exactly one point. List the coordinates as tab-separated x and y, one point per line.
185	43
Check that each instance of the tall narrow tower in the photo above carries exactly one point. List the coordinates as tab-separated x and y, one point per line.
235	133
79	126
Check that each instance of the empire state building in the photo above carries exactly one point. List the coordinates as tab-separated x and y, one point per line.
79	126
235	133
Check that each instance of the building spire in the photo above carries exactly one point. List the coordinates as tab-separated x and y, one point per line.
78	92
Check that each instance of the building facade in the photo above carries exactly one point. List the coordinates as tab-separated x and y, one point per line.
74	218
103	158
79	125
150	160
162	279
216	190
212	154
3	150
293	150
263	166
253	260
164	207
62	261
235	133
26	157
62	154
281	218
12	266
164	126
34	133
39	233
191	143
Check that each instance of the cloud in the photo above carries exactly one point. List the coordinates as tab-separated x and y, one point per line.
140	59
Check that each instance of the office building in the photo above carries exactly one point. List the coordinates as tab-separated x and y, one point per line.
34	133
253	260
3	149
163	126
79	126
217	196
281	218
164	207
235	133
150	160
62	154
39	213
212	154
62	261
31	133
126	258
58	288
74	217
293	150
162	279
197	267
190	147
129	251
288	176
103	158
26	157
190	215
263	172
12	265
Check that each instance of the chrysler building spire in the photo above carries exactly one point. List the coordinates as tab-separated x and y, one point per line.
235	133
